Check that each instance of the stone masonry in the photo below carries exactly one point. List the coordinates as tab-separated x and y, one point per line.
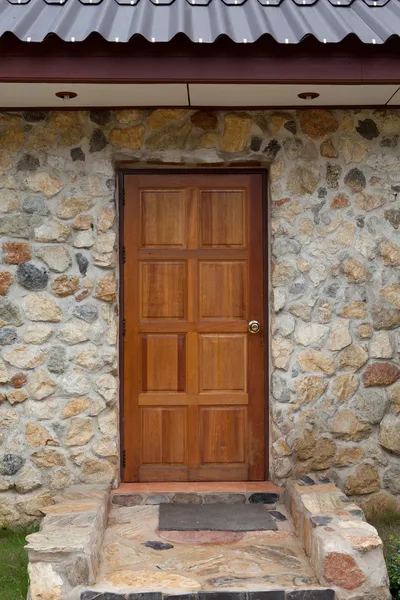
334	302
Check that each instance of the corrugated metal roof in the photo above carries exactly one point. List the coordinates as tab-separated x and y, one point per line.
287	21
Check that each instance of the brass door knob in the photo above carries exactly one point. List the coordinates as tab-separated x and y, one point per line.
254	326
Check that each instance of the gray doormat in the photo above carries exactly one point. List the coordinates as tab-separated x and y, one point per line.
215	517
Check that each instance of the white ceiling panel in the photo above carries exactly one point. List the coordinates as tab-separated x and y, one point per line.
287	95
23	95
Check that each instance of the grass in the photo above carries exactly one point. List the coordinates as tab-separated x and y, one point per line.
13	563
388	526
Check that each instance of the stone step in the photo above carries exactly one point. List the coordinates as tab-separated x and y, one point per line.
127	499
303	594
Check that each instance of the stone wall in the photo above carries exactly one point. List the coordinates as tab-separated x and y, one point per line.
335	302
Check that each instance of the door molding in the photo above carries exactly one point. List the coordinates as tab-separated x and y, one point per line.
121	173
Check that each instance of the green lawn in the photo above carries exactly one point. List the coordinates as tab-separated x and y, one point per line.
13	564
388	526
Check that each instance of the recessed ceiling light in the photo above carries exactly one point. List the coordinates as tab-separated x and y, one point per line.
66	95
308	95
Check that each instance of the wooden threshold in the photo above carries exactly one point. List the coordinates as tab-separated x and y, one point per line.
195	487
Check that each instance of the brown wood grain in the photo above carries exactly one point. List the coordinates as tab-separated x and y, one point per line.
194	400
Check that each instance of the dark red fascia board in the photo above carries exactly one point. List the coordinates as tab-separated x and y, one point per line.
139	61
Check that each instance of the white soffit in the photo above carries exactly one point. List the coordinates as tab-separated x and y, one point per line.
42	95
287	95
395	100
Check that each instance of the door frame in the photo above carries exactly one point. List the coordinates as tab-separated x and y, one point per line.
190	170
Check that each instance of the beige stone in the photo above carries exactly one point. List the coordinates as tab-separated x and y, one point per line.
96	471
389	433
317	123
8	201
105	447
365	331
282	274
75	332
344	386
8	418
89	358
69	207
394	396
340	335
82	222
16	396
364	480
46	459
40	384
311	361
353	150
161	116
128	116
381	346
65	285
209	139
68	127
28	479
391	293
105	219
43	182
105	242
83	239
281	352
173	137
41	307
5	162
107	386
45	582
354	271
353	358
9	515
57	258
51	231
75	382
346	426
349	455
131	137
301	310
16	252
236	132
37	333
328	150
369	202
37	435
12	139
4	376
75	406
390	253
33	505
311	334
303	180
356	309
377	505
108	424
106	288
79	432
310	387
25	357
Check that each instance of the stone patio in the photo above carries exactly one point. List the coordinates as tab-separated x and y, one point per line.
322	548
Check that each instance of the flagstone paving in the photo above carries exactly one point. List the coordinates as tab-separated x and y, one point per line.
137	556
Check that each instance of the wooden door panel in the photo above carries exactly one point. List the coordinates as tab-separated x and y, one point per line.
223	435
222	362
163	290
163	216
193	376
222	290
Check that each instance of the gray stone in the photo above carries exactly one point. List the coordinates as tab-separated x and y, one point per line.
391	479
291	126
280	390
83	263
10	313
77	154
87	312
58	361
316	209
34	116
100	117
98	141
368	129
333	173
389	141
393	216
283	246
255	144
15	226
298	288
8	335
31	277
35	204
10	464
272	149
184	498
370	405
157	499
355	180
385	318
28	162
224	497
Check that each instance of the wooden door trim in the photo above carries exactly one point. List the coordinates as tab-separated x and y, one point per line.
121	174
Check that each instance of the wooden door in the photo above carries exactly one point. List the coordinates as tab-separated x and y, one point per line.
193	374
